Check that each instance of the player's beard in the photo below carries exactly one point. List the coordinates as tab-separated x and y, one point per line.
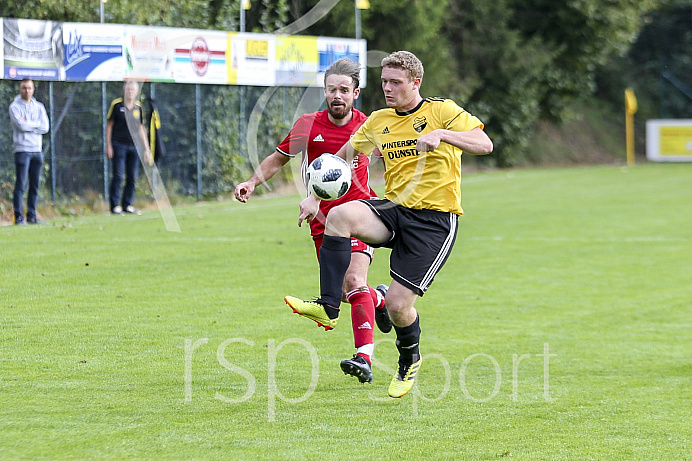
339	112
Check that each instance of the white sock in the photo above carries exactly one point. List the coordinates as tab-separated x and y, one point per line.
367	349
380	300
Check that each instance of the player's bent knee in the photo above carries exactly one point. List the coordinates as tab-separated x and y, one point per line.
398	308
355	282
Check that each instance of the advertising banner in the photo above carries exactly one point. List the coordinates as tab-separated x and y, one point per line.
252	59
669	140
297	60
333	49
199	56
93	52
147	55
32	49
47	50
2	49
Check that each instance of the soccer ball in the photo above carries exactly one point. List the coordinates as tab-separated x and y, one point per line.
329	177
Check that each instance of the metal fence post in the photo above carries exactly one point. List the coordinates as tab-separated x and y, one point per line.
242	122
198	117
152	97
106	195
52	142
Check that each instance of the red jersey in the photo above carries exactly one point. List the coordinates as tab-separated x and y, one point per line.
314	134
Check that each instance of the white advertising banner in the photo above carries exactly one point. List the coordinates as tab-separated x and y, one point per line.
47	50
252	59
147	55
199	56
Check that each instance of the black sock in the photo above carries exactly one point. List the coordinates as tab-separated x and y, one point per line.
407	339
335	256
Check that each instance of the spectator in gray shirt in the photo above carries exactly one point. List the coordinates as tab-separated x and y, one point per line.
29	124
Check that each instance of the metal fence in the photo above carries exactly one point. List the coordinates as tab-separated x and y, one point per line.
214	135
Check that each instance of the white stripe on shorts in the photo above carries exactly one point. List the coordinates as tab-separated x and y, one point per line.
444	252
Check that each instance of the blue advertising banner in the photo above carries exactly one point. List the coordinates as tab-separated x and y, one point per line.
93	52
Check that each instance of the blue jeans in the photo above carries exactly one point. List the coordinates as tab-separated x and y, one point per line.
27	164
125	161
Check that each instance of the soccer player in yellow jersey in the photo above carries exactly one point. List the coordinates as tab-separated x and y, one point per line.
421	140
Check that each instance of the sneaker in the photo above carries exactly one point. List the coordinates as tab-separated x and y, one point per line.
117	210
384	323
402	382
19	220
358	367
132	210
312	310
34	220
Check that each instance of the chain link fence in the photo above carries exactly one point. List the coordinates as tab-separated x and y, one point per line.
214	137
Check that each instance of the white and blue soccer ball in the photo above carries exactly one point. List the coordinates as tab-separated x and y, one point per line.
329	177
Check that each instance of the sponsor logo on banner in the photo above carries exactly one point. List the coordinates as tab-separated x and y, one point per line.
200	57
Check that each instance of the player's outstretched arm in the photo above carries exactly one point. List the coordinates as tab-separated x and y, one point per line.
347	152
472	142
264	172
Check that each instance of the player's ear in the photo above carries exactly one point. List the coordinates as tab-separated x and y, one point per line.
356	93
416	83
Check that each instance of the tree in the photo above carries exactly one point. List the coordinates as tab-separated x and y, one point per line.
528	59
657	65
500	73
511	62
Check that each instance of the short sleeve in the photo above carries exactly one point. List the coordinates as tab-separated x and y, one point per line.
362	140
455	118
296	141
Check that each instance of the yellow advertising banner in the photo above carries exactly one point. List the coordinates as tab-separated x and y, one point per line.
669	140
675	140
297	60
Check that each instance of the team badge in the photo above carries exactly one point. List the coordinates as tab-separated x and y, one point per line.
419	124
135	113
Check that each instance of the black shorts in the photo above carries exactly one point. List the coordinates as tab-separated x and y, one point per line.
421	242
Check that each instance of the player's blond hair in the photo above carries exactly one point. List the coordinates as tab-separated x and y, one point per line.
407	61
344	66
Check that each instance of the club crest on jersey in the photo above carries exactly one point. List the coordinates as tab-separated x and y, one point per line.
419	124
318	138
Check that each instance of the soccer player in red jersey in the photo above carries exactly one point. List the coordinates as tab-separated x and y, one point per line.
325	132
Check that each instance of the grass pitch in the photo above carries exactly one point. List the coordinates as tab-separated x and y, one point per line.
558	329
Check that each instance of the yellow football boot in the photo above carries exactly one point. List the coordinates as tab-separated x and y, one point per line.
312	310
401	385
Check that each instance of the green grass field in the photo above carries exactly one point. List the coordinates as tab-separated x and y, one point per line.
560	329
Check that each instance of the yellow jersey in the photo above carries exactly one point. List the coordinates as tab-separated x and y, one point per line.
418	180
